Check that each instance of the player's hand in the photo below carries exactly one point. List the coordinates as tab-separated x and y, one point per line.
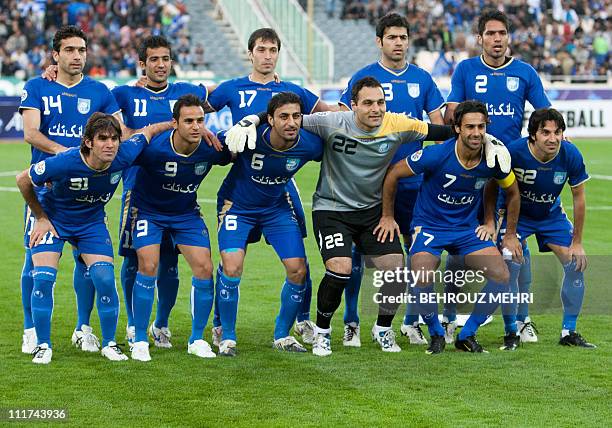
141	82
50	73
485	232
577	253
512	244
211	139
387	227
42	226
244	132
495	149
277	78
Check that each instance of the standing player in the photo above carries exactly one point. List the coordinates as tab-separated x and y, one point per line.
543	163
54	117
164	200
253	196
250	95
504	84
446	218
347	203
409	90
142	106
82	182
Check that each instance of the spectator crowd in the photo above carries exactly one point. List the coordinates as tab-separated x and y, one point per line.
558	37
114	28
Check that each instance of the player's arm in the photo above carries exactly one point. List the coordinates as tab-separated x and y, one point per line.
33	136
449	113
513	207
435	118
387	225
486	231
576	250
42	225
321	106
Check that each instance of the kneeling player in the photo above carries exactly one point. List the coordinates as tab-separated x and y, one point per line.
83	181
543	163
253	197
164	200
445	218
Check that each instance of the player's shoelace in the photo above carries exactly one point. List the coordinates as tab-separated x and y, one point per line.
388	339
38	350
116	348
419	332
473	345
349	333
530	328
90	339
437	345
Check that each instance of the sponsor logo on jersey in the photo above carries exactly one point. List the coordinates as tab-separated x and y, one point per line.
115	177
24	95
414	90
384	148
480	182
200	168
83	105
559	177
416	155
512	83
40	167
292	164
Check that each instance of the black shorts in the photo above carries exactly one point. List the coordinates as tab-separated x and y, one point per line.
335	231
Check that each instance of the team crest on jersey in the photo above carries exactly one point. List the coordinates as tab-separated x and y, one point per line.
200	168
83	105
414	89
40	167
292	164
416	155
24	95
383	148
172	102
115	177
559	177
512	83
480	182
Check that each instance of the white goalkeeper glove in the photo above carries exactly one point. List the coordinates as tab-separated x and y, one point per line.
244	132
495	149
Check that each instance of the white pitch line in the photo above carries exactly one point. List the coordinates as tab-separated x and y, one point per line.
601	177
8	173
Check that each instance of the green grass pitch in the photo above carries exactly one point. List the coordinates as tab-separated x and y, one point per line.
539	384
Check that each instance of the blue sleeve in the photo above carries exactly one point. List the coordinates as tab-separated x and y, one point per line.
129	150
202	92
309	99
345	98
50	169
109	104
457	92
30	97
119	94
577	170
223	157
433	98
423	161
219	98
316	152
535	92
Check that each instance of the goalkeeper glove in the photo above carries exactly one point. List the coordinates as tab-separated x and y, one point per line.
495	149
244	132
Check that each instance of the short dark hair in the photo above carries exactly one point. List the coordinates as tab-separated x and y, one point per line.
188	100
365	82
283	98
391	20
264	34
470	106
492	15
66	32
538	117
97	123
152	42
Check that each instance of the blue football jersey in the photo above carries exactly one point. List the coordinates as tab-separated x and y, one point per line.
78	192
64	110
244	97
541	183
142	106
451	194
411	91
167	181
503	89
258	178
